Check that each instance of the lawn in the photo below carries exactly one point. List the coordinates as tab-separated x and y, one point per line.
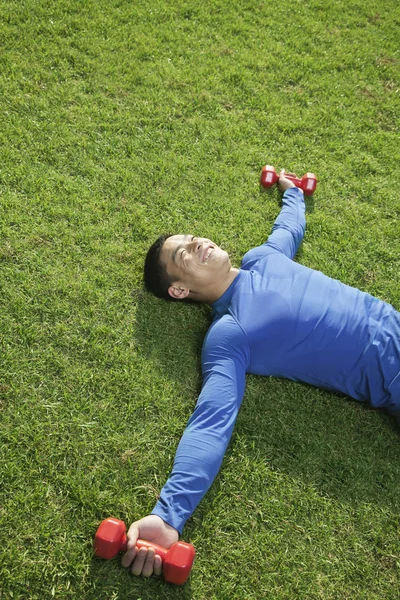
121	120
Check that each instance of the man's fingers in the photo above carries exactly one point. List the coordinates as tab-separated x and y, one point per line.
283	173
157	565
147	563
138	563
148	567
130	554
128	557
143	561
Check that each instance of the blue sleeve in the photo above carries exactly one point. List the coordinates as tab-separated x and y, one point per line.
287	231
206	437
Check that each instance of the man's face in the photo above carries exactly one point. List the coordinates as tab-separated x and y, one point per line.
194	263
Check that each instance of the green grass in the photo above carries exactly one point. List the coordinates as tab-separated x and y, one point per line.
120	120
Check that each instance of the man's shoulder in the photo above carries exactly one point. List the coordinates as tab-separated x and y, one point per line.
225	341
224	332
256	255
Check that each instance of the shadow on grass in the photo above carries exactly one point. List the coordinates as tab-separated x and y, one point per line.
110	580
171	334
339	446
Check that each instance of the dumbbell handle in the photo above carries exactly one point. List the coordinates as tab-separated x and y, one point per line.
162	552
296	180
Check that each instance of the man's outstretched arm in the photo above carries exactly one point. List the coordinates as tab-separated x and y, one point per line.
201	449
289	227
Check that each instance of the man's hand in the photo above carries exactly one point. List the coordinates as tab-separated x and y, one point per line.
284	183
152	529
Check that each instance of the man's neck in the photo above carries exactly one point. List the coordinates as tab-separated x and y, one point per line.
215	292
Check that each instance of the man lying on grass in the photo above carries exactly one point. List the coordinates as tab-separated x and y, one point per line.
272	316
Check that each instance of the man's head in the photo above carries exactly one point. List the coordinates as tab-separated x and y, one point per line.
156	278
180	267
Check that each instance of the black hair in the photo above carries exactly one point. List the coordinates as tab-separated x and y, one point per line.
156	278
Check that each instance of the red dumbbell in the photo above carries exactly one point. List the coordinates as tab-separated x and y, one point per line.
177	561
307	183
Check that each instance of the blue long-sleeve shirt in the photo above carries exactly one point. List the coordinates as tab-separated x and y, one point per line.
280	318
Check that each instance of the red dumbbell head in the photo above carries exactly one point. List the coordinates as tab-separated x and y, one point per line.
309	183
268	176
110	538
178	563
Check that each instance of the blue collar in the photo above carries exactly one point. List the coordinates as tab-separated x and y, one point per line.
220	305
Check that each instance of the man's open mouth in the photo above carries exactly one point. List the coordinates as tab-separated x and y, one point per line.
207	254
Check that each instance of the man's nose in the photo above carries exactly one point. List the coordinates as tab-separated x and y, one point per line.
196	245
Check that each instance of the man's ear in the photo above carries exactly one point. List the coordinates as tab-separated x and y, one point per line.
178	293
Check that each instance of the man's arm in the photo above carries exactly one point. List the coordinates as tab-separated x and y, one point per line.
202	446
288	229
204	442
